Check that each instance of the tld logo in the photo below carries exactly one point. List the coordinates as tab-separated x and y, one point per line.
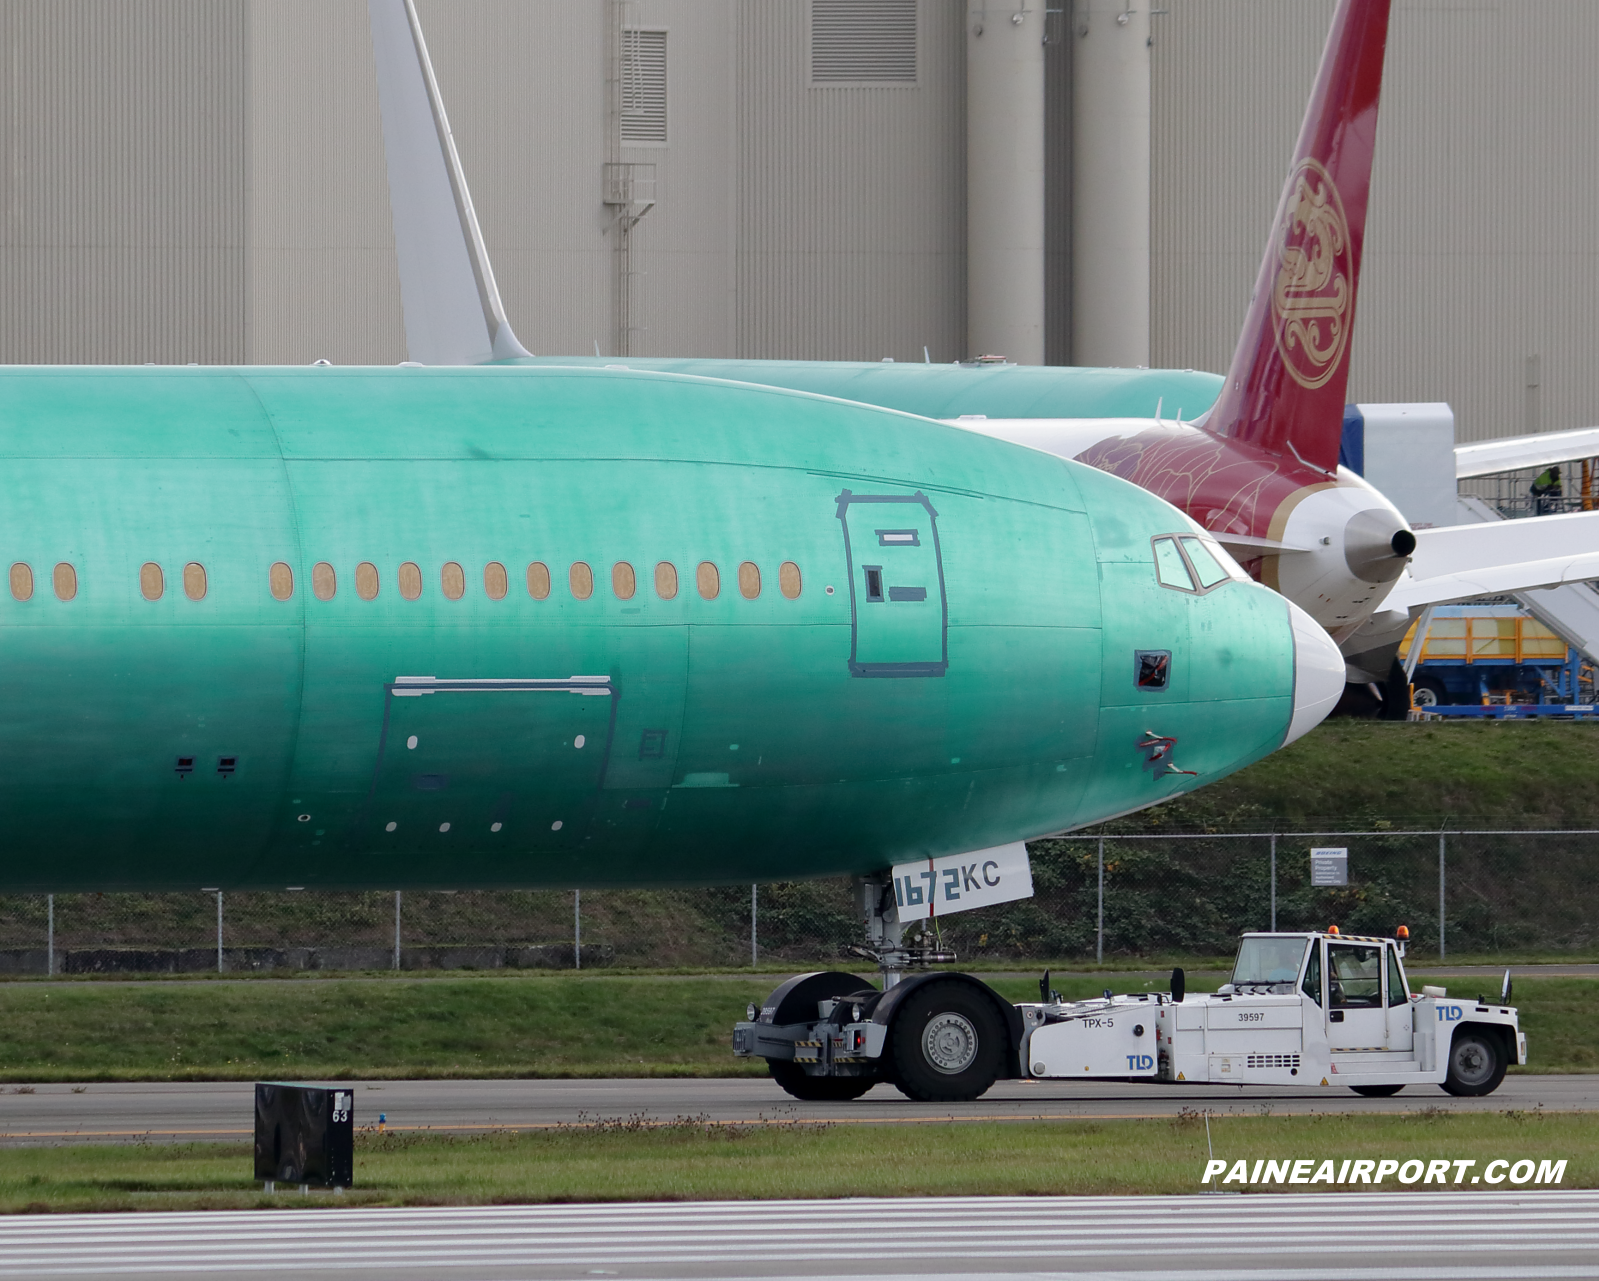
1449	1013
1140	1062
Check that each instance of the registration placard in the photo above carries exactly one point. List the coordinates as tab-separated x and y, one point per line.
961	882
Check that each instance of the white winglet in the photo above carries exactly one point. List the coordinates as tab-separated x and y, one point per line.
453	314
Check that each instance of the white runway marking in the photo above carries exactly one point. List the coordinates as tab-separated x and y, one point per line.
1350	1236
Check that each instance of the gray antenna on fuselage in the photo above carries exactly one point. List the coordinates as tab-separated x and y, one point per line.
453	313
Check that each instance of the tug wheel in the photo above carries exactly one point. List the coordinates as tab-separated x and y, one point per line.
1476	1064
1377	1091
1430	693
947	1044
818	1089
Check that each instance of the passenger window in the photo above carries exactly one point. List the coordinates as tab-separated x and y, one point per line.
708	580
1206	566
581	579
66	581
152	582
1169	566
1311	987
788	579
280	581
452	579
749	580
538	580
410	580
1354	976
22	581
495	581
623	581
324	582
1396	980
194	580
366	580
666	580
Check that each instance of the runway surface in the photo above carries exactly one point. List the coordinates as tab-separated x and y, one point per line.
1417	1236
224	1111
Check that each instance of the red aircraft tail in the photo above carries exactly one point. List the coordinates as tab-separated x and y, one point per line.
1285	388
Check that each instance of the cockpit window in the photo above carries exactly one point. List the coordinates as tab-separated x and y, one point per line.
1193	563
1268	960
1206	568
1170	567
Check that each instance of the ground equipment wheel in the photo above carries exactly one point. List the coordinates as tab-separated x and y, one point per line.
947	1043
1430	693
1377	1091
818	1089
1476	1064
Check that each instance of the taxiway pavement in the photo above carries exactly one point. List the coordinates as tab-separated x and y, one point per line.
224	1111
1417	1236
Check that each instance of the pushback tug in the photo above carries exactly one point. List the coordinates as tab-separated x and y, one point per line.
1317	1009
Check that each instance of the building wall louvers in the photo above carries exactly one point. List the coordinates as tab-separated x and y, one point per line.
122	165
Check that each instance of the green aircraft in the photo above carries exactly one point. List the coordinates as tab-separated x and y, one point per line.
497	623
513	626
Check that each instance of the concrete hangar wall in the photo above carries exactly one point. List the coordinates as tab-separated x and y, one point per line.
205	181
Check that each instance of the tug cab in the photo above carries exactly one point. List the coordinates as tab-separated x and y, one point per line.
1332	1009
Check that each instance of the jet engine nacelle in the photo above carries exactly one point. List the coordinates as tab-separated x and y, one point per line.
1344	546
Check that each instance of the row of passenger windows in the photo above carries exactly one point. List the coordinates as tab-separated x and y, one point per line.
64	578
452	580
497	580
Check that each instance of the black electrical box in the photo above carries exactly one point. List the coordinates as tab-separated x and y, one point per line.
305	1134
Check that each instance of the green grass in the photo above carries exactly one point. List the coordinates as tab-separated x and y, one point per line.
1558	1017
692	1161
541	1026
1516	773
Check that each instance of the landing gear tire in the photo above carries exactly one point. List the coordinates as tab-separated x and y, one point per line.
947	1044
1395	694
818	1089
1476	1065
1377	1091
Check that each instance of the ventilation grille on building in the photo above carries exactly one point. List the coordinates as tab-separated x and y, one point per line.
863	41
1274	1060
643	86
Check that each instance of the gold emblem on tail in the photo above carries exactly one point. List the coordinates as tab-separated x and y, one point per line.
1313	297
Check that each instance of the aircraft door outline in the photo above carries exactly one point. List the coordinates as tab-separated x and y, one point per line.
494	781
899	612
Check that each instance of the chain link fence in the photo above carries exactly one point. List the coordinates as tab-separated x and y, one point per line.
1096	898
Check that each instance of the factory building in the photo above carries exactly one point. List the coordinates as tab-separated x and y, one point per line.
834	179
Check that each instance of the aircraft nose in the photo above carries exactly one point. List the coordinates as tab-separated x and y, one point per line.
1318	674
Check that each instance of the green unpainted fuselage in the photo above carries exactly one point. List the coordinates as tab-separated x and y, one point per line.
949	391
956	670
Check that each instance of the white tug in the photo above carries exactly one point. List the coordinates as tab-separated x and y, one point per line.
1312	1009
